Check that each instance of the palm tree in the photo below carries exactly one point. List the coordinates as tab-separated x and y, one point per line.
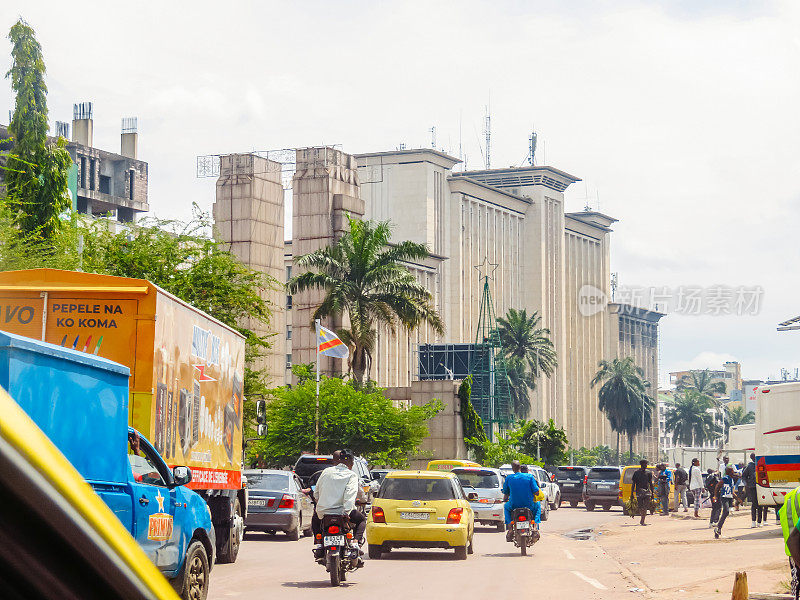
738	416
640	418
621	392
521	383
689	420
701	382
364	278
522	338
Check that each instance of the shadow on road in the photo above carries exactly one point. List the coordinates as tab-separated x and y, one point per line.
312	584
259	536
759	535
426	556
507	554
487	530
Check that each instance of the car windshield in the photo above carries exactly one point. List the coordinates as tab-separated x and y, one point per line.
478	479
306	467
402	488
571	474
627	476
267	481
605	474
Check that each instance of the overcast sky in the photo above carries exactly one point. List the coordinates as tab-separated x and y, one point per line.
680	117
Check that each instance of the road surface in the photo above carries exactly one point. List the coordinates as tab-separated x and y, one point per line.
558	566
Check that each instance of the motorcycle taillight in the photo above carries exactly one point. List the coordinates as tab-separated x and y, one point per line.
333	529
522	518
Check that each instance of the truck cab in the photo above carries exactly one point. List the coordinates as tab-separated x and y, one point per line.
80	401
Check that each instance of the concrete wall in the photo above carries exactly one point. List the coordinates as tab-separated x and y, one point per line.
248	215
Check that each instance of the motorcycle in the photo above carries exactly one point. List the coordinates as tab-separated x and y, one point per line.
340	552
525	532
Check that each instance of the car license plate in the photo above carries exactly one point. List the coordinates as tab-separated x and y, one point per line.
523	525
334	540
415	516
256	502
603	487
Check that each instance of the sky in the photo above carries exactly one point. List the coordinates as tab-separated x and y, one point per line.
681	118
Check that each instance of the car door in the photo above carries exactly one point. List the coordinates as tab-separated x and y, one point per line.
154	508
306	506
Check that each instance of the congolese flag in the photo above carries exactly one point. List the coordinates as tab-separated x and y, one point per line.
330	345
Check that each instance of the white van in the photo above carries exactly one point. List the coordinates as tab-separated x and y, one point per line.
777	442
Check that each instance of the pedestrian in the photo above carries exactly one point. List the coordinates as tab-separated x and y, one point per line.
695	478
723	464
680	496
738	494
724	492
749	479
711	485
664	477
790	513
642	488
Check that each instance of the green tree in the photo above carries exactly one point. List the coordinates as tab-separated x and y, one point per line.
521	383
623	386
689	420
701	382
597	455
363	420
36	173
640	418
471	422
551	441
738	416
523	338
364	278
501	452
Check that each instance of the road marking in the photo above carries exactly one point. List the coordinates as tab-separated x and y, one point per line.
589	580
569	554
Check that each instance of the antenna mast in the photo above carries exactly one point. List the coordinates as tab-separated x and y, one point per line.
433	137
488	133
532	148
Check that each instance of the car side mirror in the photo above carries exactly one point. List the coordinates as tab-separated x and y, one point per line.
472	496
181	475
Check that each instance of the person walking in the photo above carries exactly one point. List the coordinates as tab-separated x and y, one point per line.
642	488
712	480
695	481
789	515
664	477
724	492
680	496
749	479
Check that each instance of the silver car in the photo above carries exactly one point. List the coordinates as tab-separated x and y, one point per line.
488	484
275	502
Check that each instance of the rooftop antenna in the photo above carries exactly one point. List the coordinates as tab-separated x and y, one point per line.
433	137
487	131
460	154
532	148
613	285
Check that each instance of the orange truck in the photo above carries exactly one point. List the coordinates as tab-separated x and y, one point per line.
186	368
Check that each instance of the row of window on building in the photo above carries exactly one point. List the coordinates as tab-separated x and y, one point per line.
86	179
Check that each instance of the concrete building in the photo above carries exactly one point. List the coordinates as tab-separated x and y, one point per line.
730	375
546	258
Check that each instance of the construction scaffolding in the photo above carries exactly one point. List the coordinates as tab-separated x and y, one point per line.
491	391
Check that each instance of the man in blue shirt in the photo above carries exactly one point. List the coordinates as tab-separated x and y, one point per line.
520	490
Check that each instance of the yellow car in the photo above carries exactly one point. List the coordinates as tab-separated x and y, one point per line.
626	484
59	539
450	464
421	509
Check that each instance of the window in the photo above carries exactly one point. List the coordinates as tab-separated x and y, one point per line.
402	488
483	479
144	467
83	172
91	173
130	184
288	301
273	482
288	272
288	360
288	332
105	184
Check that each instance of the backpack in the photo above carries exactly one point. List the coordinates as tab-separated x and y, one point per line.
711	483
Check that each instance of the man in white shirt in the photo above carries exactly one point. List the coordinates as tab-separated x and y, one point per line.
336	493
696	485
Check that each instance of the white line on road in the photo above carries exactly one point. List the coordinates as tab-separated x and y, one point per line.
569	554
589	580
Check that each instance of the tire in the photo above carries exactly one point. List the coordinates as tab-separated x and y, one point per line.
461	552
523	547
606	507
545	510
471	545
557	504
294	534
374	551
573	503
229	548
501	526
334	567
589	505
196	572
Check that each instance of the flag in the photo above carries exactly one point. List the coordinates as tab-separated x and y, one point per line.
330	345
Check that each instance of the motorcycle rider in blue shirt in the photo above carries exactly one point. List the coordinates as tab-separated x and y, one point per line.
519	491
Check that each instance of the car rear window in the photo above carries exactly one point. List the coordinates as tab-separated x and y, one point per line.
478	479
402	488
604	474
273	482
627	476
572	474
306	467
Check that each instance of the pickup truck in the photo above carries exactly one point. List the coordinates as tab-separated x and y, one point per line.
80	401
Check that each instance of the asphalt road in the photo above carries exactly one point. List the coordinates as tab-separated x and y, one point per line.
558	566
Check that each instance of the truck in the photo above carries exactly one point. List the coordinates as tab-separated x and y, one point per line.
186	372
742	437
777	442
80	401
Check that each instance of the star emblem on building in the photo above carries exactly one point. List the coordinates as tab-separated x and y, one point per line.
160	500
486	268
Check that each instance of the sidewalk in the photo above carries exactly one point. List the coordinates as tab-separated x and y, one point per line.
678	557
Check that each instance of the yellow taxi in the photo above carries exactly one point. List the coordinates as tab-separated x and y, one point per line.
448	464
420	509
626	483
60	538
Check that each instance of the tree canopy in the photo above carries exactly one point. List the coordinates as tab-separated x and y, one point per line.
688	418
363	420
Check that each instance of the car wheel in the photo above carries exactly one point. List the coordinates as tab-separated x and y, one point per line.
374	551
606	507
557	504
195	573
461	553
589	505
501	526
471	546
229	549
573	503
294	534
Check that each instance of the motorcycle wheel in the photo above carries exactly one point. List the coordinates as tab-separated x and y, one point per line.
523	546
334	567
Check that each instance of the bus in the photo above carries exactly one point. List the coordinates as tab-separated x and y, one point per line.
777	442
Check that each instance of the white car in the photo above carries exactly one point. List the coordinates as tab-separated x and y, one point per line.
552	493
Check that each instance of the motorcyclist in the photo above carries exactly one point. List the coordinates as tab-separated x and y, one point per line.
519	491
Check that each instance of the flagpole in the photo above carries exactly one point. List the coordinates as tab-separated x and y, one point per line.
316	410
